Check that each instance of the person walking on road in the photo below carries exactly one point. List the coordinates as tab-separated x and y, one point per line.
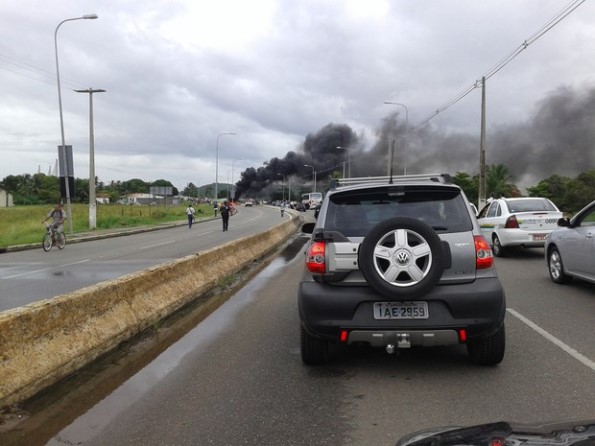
190	213
225	215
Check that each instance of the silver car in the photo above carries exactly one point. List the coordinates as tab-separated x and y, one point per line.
569	249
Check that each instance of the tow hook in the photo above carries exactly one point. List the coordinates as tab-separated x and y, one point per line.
403	340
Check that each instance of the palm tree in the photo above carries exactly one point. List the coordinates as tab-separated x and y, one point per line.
497	185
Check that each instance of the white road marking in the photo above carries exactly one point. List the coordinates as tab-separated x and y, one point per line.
157	244
572	352
45	269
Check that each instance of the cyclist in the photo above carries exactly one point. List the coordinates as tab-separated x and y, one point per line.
58	215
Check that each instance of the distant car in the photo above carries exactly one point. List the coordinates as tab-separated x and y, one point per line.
248	203
569	249
526	222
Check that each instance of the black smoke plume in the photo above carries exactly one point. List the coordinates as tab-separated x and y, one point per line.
318	150
558	137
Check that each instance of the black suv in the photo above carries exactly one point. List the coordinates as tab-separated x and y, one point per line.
398	263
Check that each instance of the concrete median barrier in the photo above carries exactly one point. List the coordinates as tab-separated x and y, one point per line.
44	342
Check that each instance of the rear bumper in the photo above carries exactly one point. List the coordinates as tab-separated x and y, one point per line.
523	237
478	308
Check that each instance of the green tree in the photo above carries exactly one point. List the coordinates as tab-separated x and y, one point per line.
497	182
579	192
134	186
48	188
190	190
469	185
554	188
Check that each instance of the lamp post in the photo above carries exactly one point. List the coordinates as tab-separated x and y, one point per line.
217	163
92	199
348	161
405	137
283	186
63	146
232	177
313	177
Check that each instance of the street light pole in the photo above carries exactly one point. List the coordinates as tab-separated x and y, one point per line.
232	183
63	147
348	161
217	163
92	199
313	177
405	137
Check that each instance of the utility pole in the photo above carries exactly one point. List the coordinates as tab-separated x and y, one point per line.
481	201
92	198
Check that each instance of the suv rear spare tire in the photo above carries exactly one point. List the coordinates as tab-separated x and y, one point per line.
402	257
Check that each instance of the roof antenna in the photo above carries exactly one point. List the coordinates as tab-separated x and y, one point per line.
390	165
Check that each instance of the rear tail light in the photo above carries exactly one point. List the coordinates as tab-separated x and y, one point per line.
344	336
315	258
483	253
462	335
511	223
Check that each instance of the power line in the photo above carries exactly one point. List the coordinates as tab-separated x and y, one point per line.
24	69
507	59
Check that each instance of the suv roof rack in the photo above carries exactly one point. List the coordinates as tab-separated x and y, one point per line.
436	177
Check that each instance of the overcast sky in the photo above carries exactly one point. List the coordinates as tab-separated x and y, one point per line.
180	73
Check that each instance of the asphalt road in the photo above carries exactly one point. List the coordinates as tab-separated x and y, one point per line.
237	379
32	275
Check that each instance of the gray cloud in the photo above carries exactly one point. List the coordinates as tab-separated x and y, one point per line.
178	74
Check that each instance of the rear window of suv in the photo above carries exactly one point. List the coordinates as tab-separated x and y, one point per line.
355	212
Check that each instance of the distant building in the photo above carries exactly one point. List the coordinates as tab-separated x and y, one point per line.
138	198
5	199
102	199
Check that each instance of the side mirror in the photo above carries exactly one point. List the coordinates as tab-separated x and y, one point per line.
564	222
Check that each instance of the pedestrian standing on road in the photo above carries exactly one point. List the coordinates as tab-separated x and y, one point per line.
225	215
215	207
190	213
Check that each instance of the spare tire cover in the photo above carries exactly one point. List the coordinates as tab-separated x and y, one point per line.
402	258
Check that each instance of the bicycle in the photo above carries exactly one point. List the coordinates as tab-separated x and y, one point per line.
53	238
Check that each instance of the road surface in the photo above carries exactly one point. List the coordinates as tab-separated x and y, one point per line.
237	379
32	275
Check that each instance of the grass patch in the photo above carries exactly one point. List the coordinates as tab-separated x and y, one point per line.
21	225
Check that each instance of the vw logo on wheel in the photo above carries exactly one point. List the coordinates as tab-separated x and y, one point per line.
402	257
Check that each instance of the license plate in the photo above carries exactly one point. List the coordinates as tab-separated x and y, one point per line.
401	310
538	236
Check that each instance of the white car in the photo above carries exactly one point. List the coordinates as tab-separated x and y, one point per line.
525	222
